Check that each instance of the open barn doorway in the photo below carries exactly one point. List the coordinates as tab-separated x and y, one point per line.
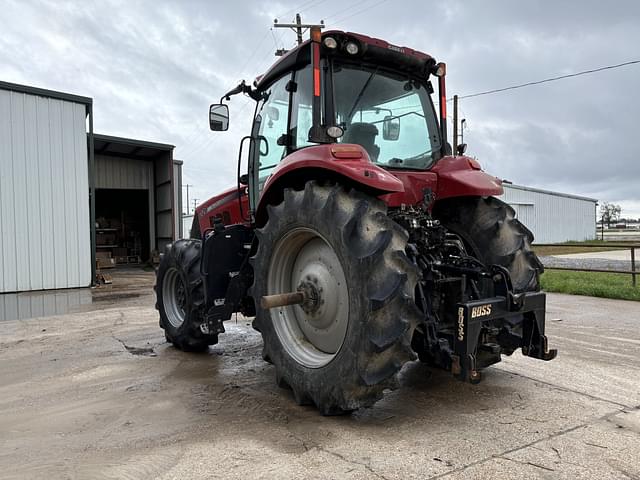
122	225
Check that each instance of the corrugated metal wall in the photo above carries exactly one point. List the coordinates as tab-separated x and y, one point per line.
177	198
128	173
552	218
44	194
119	172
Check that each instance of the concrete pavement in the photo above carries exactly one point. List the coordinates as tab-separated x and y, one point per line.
99	394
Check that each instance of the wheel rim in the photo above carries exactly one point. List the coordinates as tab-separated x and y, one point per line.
174	297
314	332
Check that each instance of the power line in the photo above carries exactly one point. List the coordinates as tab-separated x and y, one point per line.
299	8
547	80
343	11
359	12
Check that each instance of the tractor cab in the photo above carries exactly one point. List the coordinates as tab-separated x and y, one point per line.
344	89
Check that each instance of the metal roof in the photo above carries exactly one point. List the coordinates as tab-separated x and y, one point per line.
548	192
41	92
128	147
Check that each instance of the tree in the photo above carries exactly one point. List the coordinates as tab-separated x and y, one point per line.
609	212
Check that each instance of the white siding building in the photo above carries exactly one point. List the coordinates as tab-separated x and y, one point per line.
45	236
553	217
68	195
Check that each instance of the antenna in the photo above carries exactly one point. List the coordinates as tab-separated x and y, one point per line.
298	27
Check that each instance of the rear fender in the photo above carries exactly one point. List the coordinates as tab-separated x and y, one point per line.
346	164
463	177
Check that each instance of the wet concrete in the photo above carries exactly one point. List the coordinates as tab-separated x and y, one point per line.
130	284
99	394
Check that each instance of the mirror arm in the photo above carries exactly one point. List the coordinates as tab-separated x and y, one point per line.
241	88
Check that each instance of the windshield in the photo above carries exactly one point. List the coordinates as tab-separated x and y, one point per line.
390	115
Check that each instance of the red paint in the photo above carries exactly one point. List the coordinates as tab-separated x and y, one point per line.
443	99
358	168
225	205
458	178
414	184
450	177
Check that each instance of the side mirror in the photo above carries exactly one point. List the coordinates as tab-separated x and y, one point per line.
219	117
391	128
461	148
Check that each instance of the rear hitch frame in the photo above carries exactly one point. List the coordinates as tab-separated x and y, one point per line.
473	316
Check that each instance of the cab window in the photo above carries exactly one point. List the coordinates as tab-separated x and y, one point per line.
272	120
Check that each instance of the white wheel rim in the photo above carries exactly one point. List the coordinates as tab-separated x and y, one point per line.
173	297
311	335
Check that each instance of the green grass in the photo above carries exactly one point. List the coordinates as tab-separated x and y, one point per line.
593	284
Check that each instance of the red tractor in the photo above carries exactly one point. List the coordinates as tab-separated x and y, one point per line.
356	238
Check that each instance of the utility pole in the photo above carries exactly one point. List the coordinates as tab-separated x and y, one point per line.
455	125
187	187
299	28
195	204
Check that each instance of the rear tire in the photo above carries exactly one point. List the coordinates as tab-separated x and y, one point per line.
490	229
180	297
341	356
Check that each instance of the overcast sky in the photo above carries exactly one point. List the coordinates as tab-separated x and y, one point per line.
154	67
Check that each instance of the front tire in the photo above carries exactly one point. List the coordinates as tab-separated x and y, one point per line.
180	297
341	352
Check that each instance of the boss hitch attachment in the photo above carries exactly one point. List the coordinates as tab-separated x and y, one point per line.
488	328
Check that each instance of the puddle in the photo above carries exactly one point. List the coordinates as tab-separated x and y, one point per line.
21	306
110	297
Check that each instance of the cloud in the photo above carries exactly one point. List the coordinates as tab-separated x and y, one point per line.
154	67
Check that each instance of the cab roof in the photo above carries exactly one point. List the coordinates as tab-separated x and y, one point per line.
371	50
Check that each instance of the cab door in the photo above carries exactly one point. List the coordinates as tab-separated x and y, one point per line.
270	134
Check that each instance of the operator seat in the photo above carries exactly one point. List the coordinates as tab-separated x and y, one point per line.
364	134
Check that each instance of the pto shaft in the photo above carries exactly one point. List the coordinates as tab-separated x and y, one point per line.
282	300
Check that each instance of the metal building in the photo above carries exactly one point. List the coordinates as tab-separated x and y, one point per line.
552	216
137	197
54	175
45	235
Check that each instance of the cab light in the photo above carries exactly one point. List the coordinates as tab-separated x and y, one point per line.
439	70
335	132
346	151
352	48
330	42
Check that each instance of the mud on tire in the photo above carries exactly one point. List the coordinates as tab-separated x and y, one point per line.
180	296
489	228
380	283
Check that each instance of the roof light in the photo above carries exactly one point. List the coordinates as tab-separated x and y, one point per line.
352	48
316	34
439	69
330	42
